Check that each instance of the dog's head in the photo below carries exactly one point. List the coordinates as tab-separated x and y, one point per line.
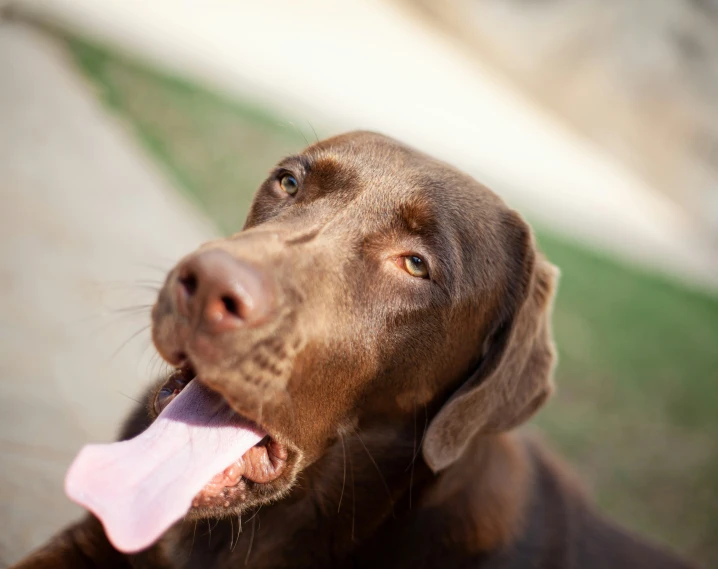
369	280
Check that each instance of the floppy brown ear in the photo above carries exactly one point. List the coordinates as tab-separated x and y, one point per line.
514	377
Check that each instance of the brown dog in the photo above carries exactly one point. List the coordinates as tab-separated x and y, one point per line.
383	321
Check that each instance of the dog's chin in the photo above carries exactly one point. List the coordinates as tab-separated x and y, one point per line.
263	474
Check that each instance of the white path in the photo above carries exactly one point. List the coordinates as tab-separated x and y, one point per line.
81	214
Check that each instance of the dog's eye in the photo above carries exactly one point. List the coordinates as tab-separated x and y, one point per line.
289	184
416	266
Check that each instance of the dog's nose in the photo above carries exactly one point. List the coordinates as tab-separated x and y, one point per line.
219	293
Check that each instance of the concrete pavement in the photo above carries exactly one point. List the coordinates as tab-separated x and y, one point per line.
87	226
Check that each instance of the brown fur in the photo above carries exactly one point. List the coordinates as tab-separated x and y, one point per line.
396	396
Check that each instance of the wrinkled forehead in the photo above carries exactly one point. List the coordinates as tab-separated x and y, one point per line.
384	184
387	179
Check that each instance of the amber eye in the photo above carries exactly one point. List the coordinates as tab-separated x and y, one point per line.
289	184
416	266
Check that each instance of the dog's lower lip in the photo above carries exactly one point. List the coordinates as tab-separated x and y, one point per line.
262	463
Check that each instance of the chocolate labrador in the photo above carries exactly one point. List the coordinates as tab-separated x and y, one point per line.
350	369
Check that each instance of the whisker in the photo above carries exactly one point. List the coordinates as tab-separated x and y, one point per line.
153	362
416	449
140	331
124	285
150	287
421	442
141	284
120	320
251	537
153	281
158	366
128	397
314	131
239	531
231	535
411	477
344	478
354	511
117	314
131	309
300	132
210	528
157	268
254	514
194	534
388	491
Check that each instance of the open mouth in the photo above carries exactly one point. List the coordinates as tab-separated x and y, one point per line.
198	453
262	463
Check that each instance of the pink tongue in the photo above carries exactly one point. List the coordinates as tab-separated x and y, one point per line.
139	488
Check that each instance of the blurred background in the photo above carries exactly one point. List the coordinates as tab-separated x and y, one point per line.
132	131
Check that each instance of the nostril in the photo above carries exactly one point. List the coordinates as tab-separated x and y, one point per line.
189	283
231	305
216	292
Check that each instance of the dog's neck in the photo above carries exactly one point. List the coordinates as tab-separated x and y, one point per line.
365	487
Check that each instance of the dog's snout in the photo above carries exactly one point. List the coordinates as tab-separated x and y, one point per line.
219	293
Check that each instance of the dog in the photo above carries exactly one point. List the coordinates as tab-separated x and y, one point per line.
350	371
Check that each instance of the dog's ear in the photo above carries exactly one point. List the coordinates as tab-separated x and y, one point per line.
514	377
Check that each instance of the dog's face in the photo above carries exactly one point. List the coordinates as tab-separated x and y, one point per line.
369	280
